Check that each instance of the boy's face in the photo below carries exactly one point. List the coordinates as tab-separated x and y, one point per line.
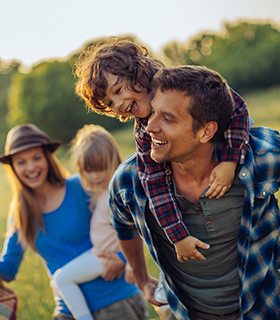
125	102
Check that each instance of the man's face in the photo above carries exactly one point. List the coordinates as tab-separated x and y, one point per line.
170	128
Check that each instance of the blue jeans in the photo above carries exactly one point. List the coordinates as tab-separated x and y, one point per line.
132	308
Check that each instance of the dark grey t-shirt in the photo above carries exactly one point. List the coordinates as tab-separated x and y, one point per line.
211	286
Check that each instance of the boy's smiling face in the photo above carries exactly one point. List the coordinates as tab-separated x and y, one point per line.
125	102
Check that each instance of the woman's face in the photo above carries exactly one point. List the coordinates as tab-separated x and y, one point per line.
31	167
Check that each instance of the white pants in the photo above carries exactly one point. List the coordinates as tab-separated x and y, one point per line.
84	268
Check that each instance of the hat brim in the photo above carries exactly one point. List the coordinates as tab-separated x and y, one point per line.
52	146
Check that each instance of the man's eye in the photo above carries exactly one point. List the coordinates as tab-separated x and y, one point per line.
118	90
109	104
167	119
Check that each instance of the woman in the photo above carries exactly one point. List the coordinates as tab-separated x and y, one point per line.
50	213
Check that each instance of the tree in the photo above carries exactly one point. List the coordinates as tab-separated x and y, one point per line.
46	98
246	54
7	71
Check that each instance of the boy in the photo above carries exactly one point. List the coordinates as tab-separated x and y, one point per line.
114	78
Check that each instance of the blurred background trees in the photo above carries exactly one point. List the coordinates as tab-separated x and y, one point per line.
246	54
45	96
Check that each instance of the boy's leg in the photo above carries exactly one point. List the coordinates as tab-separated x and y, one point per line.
160	295
84	268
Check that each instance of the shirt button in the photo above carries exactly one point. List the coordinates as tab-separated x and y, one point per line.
246	142
242	156
209	223
243	174
264	193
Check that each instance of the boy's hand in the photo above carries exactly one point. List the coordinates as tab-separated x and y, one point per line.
221	179
186	249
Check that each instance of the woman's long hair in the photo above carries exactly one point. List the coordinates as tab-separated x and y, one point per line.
24	211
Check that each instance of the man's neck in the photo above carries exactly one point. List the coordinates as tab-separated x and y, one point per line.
192	178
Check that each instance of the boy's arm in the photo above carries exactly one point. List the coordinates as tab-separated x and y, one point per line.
234	152
237	134
156	181
221	179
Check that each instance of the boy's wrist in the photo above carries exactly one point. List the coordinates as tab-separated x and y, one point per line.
177	232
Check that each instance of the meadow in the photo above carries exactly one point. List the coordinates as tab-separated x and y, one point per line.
32	283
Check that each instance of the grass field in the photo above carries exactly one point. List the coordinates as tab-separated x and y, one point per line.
32	284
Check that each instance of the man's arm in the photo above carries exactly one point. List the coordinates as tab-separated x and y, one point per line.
134	253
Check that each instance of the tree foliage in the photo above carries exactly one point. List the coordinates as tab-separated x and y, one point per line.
246	54
7	70
46	97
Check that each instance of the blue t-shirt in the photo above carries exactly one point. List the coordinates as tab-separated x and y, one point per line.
66	237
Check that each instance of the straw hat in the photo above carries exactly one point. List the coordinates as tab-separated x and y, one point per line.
24	137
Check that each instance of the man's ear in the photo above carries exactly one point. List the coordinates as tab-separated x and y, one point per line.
208	131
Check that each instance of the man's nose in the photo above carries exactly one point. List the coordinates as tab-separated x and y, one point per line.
151	126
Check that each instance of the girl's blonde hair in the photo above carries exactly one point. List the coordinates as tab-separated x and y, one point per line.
95	149
24	211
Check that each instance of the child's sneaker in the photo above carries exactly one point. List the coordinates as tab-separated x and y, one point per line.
160	295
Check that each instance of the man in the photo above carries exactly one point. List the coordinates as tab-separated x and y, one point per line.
190	110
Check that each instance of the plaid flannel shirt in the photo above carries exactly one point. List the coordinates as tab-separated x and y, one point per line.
157	184
258	242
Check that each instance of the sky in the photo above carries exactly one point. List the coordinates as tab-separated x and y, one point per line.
36	30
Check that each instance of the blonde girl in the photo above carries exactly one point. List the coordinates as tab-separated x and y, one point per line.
96	154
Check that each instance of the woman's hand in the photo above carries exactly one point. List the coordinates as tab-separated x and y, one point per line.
114	266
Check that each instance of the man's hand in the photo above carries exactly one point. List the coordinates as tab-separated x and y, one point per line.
114	266
221	179
134	253
148	290
129	276
186	249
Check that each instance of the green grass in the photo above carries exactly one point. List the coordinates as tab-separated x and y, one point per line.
32	282
264	107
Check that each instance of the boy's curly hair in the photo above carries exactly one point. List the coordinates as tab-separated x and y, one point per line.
123	58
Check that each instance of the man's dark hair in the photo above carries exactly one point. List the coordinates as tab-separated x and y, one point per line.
211	99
